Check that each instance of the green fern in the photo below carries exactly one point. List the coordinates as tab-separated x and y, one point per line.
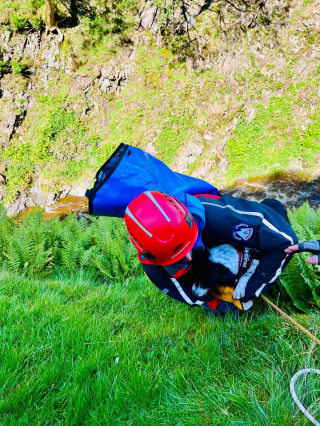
300	279
36	247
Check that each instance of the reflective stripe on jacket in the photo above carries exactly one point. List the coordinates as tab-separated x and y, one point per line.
250	224
241	223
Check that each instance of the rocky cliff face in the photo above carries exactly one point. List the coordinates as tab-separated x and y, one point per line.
236	58
44	62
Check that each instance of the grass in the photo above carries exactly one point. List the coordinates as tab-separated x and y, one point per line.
101	19
61	337
59	141
18	13
18	23
18	67
272	139
3	66
78	347
165	109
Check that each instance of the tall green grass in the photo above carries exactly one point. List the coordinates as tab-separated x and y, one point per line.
61	338
86	339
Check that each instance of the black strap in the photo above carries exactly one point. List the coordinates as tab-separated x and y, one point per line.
105	172
244	262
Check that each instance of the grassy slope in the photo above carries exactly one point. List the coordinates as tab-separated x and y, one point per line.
266	105
171	105
60	336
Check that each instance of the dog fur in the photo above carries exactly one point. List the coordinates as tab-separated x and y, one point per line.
225	267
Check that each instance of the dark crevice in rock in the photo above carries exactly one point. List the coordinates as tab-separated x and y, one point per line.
149	17
16	122
205	6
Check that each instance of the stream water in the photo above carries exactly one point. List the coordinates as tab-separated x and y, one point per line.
286	188
62	207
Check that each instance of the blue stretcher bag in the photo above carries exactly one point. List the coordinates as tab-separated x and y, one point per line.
129	172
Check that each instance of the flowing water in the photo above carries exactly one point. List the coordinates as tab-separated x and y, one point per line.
66	205
62	207
286	188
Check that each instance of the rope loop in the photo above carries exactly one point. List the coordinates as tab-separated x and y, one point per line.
294	395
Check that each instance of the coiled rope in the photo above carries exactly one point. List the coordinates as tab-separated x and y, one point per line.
305	370
294	395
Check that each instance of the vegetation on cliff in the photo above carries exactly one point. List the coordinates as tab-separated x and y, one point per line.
228	91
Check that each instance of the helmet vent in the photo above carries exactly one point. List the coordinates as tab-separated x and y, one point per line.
178	248
136	243
134	238
176	204
189	220
148	255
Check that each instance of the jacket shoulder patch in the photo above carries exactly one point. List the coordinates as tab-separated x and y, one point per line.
242	231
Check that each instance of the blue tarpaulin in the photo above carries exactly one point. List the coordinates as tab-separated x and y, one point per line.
131	171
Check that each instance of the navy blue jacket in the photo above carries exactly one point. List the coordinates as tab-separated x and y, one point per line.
241	223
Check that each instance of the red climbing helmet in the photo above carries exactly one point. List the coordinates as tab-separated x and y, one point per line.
160	227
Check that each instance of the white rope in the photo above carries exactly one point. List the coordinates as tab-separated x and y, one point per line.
294	395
